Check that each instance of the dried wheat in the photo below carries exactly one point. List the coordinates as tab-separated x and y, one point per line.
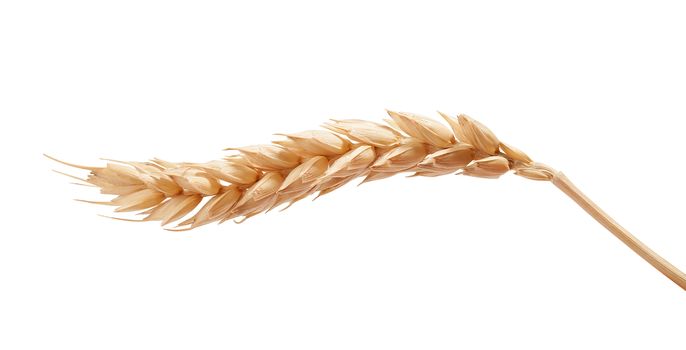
256	179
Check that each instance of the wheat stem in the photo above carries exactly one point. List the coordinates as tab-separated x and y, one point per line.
658	262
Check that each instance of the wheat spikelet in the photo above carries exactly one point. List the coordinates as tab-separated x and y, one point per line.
256	179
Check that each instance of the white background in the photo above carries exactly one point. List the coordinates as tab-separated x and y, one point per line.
593	88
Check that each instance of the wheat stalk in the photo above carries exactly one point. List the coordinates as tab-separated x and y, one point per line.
256	179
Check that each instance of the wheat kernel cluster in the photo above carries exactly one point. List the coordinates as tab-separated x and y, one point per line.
256	179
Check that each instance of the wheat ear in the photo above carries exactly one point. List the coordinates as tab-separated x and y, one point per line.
256	179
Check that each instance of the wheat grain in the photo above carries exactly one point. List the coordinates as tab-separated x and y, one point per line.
258	178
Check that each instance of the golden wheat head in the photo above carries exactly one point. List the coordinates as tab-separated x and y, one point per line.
258	178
